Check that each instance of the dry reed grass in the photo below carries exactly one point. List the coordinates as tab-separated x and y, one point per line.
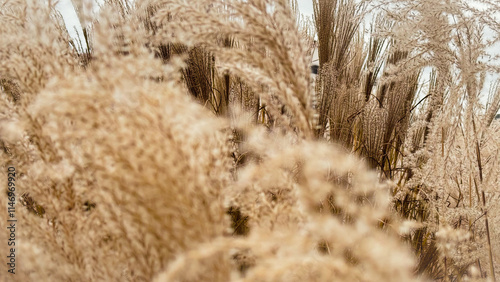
184	141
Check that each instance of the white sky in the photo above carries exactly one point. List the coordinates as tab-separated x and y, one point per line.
306	7
69	15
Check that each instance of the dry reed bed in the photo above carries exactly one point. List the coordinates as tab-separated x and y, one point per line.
185	141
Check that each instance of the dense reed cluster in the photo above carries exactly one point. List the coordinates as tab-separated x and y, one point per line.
187	141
